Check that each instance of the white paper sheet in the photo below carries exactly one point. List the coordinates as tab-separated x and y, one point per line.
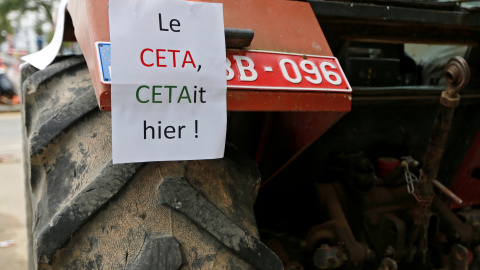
44	57
181	127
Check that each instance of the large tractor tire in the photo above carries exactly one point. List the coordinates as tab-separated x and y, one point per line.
87	213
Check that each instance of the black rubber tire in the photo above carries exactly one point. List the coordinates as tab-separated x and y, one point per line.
87	213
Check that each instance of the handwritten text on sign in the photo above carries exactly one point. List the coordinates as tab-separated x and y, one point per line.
169	91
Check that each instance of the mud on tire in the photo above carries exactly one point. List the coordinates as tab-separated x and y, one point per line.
86	213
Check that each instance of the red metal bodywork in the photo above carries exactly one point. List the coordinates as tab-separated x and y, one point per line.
90	21
466	184
282	26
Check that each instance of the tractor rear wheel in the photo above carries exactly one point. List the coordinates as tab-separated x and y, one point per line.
86	213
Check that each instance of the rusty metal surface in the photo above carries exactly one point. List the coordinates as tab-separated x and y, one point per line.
358	253
447	192
393	221
433	156
387	233
384	226
457	74
387	199
388	264
458	258
456	230
327	257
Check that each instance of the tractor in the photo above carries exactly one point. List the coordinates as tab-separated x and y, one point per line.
378	170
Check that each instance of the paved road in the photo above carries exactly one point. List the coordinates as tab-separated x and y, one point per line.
12	197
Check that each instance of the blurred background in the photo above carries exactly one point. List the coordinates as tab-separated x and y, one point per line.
25	27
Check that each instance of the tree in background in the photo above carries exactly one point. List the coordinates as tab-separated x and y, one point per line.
11	12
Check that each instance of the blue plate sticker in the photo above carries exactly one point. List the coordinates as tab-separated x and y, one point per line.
104	61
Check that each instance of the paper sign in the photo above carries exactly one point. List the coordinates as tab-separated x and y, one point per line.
44	57
169	80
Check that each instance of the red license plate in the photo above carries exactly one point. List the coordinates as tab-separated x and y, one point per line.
284	71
